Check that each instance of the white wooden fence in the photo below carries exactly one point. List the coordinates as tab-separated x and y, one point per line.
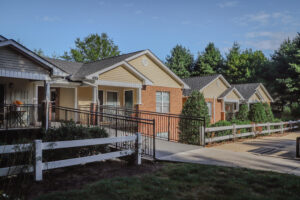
39	146
281	127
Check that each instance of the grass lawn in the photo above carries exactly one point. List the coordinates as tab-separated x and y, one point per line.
190	181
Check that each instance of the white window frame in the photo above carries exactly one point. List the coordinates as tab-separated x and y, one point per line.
118	97
209	111
132	96
162	101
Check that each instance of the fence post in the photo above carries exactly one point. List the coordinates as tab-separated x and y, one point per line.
253	129
298	147
234	131
154	135
202	136
38	169
281	127
269	128
138	148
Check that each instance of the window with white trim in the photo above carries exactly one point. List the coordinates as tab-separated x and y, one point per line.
209	106
163	102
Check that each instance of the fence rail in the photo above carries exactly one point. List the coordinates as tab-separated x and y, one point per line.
256	129
38	146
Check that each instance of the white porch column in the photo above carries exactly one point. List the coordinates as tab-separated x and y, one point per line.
76	103
139	96
46	104
95	95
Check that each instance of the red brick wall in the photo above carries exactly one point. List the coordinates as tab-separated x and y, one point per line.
216	109
149	98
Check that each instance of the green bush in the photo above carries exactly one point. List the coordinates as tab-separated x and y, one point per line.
195	106
243	113
71	131
257	113
269	113
220	133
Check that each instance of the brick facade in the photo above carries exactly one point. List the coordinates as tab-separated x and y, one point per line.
149	98
217	109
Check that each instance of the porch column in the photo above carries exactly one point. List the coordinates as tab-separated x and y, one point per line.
93	107
45	121
76	104
139	96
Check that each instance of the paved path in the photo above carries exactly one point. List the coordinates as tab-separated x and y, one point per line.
243	157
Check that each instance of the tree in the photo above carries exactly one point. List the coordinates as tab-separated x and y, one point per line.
243	66
39	52
285	73
208	62
92	48
269	113
243	113
195	106
257	113
180	61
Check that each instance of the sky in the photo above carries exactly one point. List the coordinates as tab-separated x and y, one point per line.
156	25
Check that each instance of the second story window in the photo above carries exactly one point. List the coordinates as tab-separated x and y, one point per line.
163	102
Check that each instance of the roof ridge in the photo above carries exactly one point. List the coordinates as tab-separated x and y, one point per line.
113	57
202	76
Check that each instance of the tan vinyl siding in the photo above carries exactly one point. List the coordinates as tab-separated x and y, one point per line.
214	89
13	60
85	96
264	95
232	96
154	72
254	98
120	74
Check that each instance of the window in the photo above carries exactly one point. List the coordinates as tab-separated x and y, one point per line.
209	105
112	98
163	102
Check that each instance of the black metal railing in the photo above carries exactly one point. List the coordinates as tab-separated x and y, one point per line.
19	116
167	125
116	125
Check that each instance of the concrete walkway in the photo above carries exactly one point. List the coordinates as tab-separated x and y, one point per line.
232	157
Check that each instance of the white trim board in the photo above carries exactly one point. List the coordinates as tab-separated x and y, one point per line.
117	84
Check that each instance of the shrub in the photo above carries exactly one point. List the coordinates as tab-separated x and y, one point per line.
71	131
243	113
269	113
195	106
220	133
257	113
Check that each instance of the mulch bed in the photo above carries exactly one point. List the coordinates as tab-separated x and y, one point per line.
74	177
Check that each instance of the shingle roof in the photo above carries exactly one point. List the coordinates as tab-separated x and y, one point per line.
226	92
198	82
80	70
67	66
92	67
247	89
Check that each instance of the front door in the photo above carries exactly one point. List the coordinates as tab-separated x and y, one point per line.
1	94
129	99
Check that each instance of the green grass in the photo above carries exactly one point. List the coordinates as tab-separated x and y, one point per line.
190	181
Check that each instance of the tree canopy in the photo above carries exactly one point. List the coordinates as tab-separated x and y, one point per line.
180	61
92	48
208	62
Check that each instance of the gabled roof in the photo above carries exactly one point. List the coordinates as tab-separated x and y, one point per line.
67	66
226	92
248	89
33	56
93	67
200	82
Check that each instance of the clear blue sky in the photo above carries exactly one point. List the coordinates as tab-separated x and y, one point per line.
156	25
